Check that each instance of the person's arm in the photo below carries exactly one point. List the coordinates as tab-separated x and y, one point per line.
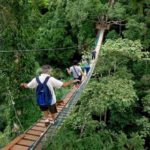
69	82
24	85
69	71
58	84
32	84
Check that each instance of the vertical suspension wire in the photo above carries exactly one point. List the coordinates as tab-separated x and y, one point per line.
15	111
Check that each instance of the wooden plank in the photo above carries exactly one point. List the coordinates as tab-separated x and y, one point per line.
40	124
19	147
50	118
59	111
33	132
39	146
66	99
25	142
13	142
30	137
69	96
65	102
41	121
39	128
59	108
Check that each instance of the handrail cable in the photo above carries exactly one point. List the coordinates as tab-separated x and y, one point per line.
36	50
44	49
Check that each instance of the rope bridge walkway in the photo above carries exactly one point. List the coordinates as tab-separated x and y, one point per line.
39	136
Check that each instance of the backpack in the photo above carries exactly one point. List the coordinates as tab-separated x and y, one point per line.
43	93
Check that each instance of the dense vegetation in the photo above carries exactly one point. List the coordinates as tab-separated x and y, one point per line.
35	32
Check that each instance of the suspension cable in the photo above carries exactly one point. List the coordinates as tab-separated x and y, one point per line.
36	50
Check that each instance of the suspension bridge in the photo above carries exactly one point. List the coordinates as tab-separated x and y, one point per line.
38	135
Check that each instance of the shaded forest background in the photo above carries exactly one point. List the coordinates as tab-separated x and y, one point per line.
37	32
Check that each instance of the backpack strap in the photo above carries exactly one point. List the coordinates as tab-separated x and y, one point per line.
38	81
75	71
45	81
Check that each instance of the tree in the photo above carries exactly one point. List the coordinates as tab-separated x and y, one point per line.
16	65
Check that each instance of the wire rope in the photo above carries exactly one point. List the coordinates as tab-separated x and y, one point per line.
13	105
36	50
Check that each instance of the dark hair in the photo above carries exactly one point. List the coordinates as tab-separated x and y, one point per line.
45	68
75	62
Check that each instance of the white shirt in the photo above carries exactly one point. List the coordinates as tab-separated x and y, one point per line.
76	72
52	83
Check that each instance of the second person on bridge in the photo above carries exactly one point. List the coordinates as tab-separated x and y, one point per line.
76	71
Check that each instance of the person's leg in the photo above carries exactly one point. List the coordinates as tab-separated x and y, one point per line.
46	114
53	112
77	84
92	56
45	111
87	70
53	116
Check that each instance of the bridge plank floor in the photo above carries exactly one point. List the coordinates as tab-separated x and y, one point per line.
25	142
18	147
37	130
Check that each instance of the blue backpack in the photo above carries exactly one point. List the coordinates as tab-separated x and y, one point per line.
43	94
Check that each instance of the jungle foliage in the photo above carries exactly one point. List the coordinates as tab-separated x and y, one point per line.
37	32
111	114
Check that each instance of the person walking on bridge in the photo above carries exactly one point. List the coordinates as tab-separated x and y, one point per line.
76	71
93	54
86	66
46	98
